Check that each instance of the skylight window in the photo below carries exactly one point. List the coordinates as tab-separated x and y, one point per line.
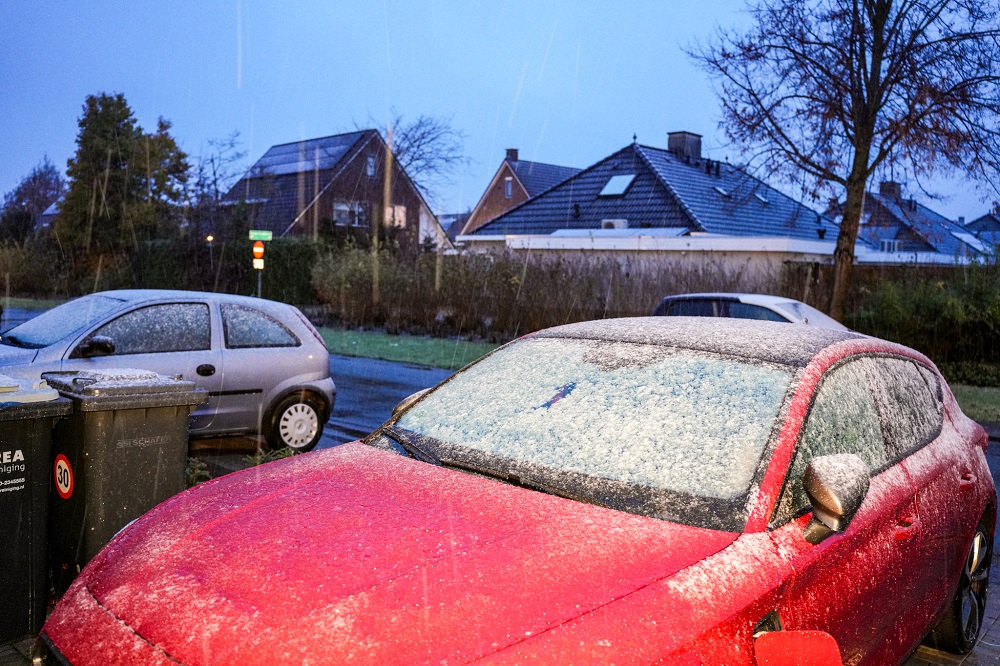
761	198
720	191
617	185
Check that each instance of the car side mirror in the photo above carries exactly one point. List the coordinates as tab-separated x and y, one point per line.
796	648
99	345
408	400
836	485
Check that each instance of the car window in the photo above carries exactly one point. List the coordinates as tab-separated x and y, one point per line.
909	404
171	327
748	311
248	327
843	419
703	307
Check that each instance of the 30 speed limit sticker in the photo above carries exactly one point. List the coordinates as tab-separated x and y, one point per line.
64	477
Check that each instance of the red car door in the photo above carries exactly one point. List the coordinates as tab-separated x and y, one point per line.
943	470
854	585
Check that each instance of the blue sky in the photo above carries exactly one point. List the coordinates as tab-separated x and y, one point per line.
566	82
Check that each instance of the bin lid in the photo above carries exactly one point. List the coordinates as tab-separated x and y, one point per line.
15	389
115	382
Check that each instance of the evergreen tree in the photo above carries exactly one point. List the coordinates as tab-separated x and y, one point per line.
124	185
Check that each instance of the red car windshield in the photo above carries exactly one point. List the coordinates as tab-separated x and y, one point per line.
649	429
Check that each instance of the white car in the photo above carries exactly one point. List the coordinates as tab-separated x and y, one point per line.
745	306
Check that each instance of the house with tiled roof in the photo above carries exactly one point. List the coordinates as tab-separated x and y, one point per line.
987	229
336	184
673	191
675	202
515	182
896	229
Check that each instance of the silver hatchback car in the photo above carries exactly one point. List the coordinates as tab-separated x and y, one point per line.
265	367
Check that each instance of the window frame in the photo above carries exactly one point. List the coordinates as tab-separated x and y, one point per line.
938	397
96	331
778	519
225	328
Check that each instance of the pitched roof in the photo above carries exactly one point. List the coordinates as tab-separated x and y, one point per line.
666	191
539	176
989	223
916	227
273	181
300	156
734	203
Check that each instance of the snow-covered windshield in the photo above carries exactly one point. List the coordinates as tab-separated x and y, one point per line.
649	429
57	323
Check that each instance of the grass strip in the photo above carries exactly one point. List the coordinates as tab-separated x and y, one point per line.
416	349
29	303
981	403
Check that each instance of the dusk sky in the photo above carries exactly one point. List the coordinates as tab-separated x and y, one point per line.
565	82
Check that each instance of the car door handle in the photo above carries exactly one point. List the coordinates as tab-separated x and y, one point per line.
967	483
906	528
206	370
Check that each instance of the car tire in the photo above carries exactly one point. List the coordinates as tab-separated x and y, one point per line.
296	422
959	629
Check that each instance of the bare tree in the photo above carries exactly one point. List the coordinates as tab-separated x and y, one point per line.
23	205
428	148
841	89
214	173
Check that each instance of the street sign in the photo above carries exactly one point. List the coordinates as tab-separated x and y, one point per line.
258	250
261	235
258	264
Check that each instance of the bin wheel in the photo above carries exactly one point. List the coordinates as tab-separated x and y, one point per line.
296	422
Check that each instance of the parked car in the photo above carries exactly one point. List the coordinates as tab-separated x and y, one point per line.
620	491
745	306
265	367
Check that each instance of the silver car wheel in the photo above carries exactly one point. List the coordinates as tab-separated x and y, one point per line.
975	581
298	425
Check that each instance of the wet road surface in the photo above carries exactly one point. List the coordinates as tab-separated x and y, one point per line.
367	390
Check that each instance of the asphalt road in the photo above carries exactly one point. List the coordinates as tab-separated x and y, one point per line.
367	390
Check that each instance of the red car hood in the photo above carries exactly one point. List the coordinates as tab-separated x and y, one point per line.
355	554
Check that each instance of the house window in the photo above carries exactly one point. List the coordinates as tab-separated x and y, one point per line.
370	167
508	187
395	216
616	185
889	245
348	214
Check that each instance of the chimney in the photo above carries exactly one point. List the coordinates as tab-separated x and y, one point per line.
887	188
685	145
961	220
512	154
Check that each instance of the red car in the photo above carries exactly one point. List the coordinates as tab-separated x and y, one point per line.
621	491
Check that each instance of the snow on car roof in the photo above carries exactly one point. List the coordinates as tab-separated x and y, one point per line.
151	295
773	342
